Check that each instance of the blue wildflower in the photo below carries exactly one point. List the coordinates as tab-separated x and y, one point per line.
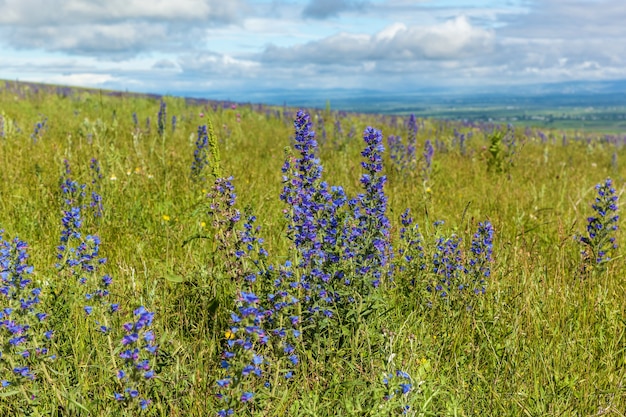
479	267
162	118
599	243
20	322
138	353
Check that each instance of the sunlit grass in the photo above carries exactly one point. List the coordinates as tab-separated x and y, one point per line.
541	341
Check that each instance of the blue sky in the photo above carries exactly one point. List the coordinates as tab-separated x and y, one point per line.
236	47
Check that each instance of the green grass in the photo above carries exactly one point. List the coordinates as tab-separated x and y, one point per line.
542	341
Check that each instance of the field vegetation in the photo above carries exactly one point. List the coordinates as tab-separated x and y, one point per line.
172	257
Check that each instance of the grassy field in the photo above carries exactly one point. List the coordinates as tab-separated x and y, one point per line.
284	319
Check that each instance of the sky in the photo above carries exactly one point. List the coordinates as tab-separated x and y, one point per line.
234	48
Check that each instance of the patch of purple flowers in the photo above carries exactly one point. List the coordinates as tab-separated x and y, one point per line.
200	154
78	255
242	363
372	233
397	387
599	244
481	256
138	354
39	129
162	118
427	166
26	340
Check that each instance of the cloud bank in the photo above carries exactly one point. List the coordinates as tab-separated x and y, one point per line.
112	29
391	45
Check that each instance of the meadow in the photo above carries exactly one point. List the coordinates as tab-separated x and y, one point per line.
171	257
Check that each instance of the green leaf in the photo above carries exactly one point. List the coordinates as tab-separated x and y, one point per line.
174	278
9	393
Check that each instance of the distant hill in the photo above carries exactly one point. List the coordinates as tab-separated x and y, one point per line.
594	105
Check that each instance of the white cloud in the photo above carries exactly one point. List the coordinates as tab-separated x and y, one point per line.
214	64
29	12
449	40
120	39
80	79
117	29
390	32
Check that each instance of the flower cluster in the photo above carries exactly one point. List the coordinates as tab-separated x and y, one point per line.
84	267
318	234
447	265
250	246
397	151
342	244
138	353
40	127
398	386
427	166
479	267
314	223
24	340
241	361
78	255
599	243
412	129
454	275
337	132
200	154
162	118
284	321
460	139
371	212
225	217
412	259
73	196
264	323
341	253
205	154
96	198
403	156
250	348
300	191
